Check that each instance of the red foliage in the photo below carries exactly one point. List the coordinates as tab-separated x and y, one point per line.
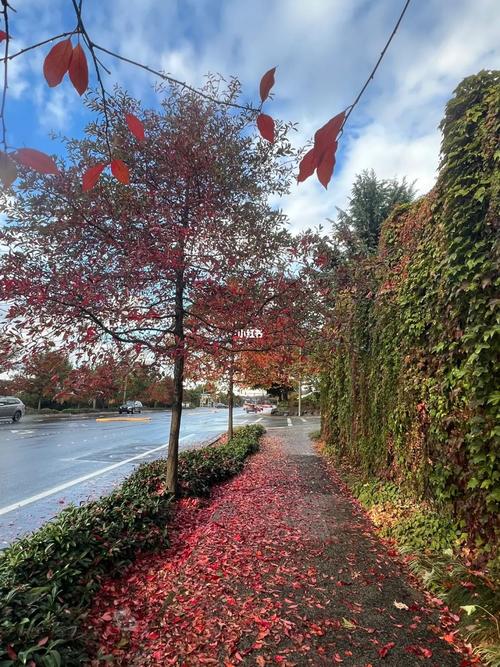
120	171
135	126
78	70
266	83
326	166
41	162
91	176
266	126
3	35
57	62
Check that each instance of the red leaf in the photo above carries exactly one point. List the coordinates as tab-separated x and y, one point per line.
8	170
57	62
327	134
91	176
3	35
11	653
135	126
78	70
120	171
266	83
266	126
43	641
385	649
325	167
36	160
307	166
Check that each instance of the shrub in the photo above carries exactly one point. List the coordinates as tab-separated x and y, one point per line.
48	579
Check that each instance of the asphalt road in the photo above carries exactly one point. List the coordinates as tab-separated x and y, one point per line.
48	462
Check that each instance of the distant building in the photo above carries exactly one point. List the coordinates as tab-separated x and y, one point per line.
207	400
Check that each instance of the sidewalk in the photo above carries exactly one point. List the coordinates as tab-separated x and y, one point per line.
278	568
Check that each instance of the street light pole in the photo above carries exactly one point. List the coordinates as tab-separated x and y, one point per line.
300	396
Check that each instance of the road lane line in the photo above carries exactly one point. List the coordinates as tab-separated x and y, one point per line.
79	480
258	420
289	421
304	420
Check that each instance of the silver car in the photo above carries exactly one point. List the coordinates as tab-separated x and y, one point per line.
11	408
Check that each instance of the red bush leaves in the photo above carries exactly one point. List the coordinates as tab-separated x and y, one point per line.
57	62
41	162
91	176
322	156
120	171
266	83
135	126
63	58
78	70
266	126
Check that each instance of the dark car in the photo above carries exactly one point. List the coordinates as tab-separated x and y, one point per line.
130	407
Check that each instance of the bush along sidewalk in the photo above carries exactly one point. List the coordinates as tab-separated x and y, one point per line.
48	579
433	546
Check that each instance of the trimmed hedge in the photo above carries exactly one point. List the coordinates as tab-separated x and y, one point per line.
48	579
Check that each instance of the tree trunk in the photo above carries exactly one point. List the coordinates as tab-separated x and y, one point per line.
94	403
39	403
231	400
175	424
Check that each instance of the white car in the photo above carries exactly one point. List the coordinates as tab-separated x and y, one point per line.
11	408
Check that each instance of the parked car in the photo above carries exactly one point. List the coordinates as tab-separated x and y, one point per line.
130	407
252	408
220	405
11	408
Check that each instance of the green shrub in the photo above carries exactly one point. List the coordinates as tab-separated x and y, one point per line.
48	579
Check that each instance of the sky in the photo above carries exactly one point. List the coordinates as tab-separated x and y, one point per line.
323	50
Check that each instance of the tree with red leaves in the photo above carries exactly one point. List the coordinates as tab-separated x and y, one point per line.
43	374
126	263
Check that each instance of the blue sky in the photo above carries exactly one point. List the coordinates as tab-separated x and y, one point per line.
324	50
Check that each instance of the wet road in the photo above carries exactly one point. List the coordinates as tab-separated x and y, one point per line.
47	462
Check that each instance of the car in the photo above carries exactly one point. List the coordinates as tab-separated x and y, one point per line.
11	408
251	408
220	405
130	407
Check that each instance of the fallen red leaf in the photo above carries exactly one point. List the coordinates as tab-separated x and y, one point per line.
266	83
266	126
91	176
78	70
41	162
57	62
385	649
120	171
135	126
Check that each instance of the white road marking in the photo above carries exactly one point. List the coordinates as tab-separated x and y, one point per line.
79	480
258	420
289	421
304	420
22	432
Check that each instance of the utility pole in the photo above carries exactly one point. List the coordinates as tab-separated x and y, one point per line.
300	396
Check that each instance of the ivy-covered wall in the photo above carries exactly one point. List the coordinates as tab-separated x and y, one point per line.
410	388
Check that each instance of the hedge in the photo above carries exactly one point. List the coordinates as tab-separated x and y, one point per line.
48	579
